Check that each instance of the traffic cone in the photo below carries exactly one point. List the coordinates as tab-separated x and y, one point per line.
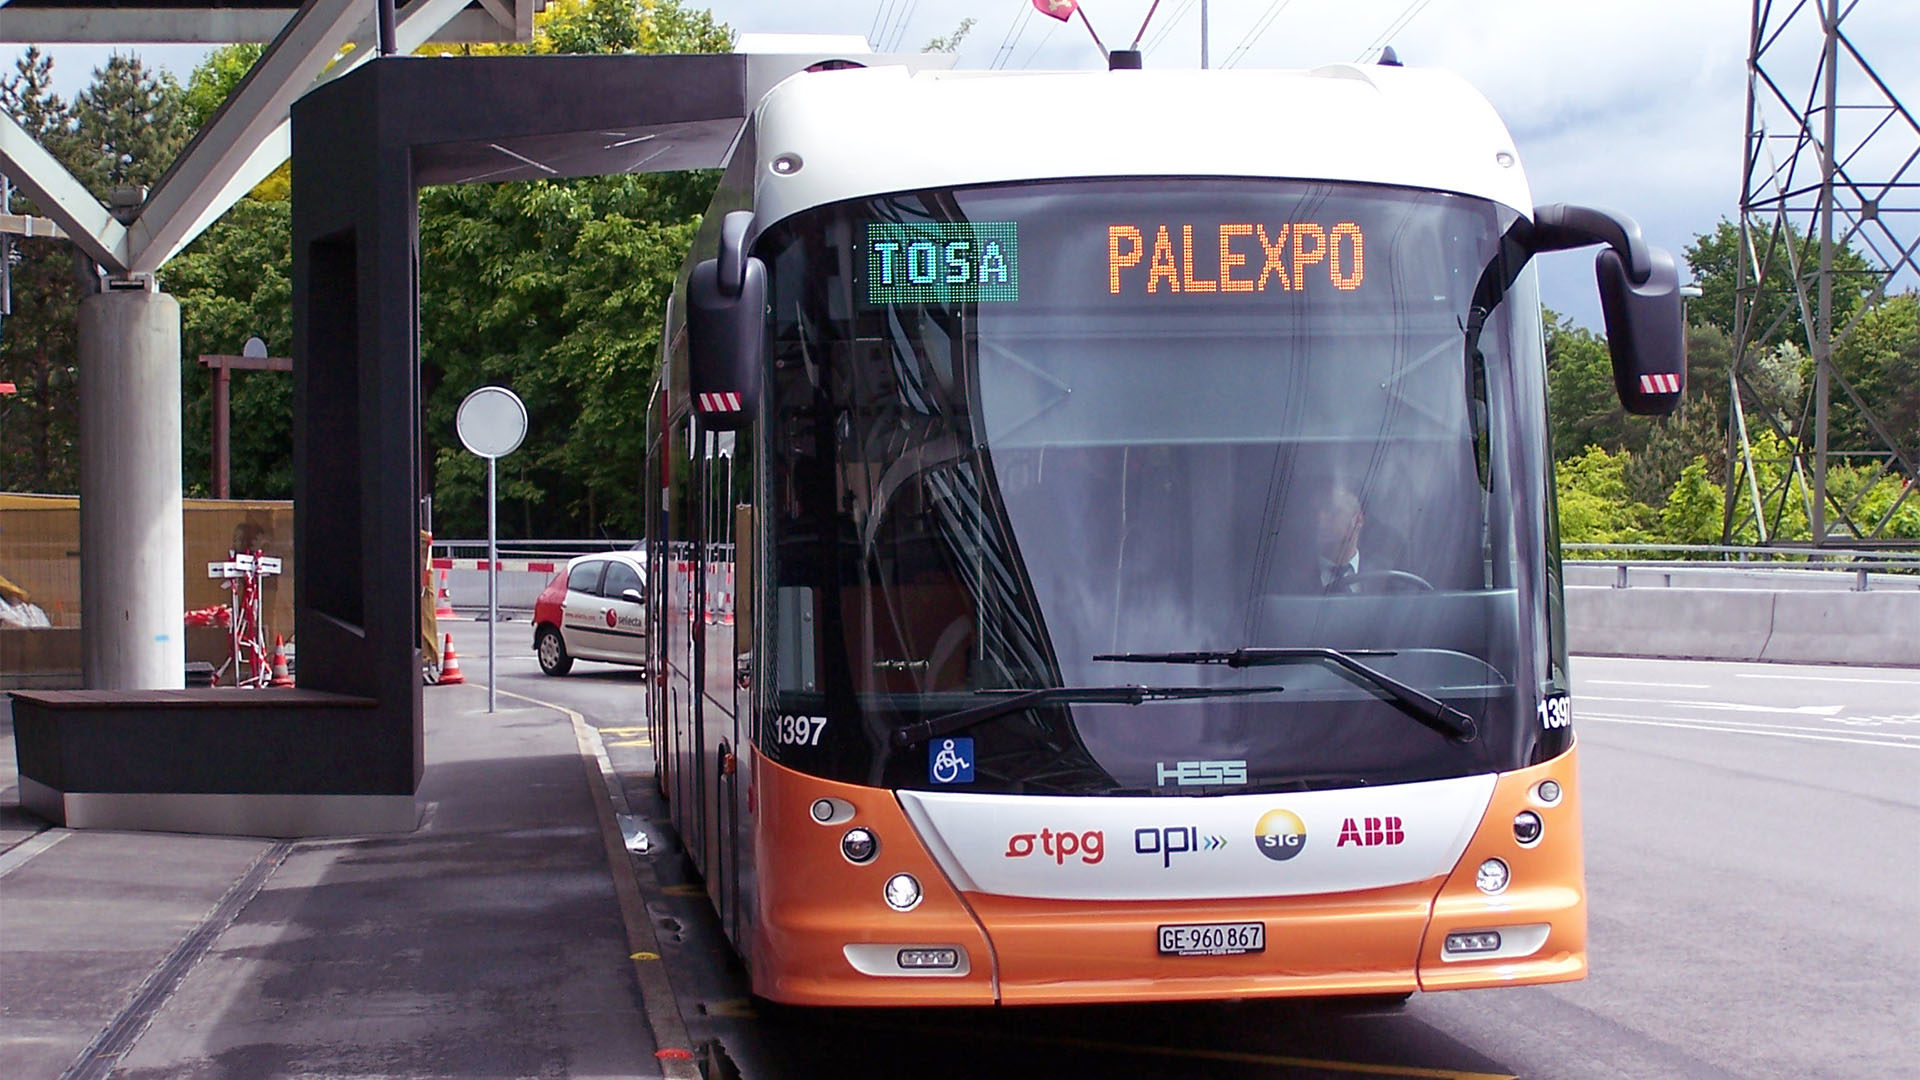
280	676
450	666
443	604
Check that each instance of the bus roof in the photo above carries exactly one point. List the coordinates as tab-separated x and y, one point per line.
869	131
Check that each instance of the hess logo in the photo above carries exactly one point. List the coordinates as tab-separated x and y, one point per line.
1091	845
1280	835
1371	832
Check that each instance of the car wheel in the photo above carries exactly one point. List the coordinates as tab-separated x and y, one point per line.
553	652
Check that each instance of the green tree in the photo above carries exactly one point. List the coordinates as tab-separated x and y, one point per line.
1581	400
128	126
951	42
556	289
39	425
234	282
1595	506
1715	260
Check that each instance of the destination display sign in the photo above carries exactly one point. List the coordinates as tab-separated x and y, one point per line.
942	262
1235	257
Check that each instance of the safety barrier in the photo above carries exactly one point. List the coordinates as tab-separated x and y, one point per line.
1881	627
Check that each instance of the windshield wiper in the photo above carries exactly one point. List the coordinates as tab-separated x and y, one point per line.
1090	695
1423	707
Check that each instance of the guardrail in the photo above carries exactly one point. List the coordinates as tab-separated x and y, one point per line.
1894	568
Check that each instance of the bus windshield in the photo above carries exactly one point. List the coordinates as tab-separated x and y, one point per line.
1118	433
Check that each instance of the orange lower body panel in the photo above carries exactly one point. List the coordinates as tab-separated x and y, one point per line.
816	912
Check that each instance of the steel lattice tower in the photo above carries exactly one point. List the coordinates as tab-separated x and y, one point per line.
1832	162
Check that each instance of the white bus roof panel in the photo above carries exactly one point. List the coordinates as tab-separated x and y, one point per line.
876	130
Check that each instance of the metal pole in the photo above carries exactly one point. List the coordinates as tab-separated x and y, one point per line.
384	15
1203	35
493	577
222	432
1823	332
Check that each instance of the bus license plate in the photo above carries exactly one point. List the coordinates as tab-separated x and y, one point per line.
1213	939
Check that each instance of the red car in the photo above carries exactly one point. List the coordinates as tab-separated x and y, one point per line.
596	609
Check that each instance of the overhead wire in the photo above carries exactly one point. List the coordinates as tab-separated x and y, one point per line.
900	26
1015	31
1166	28
1042	44
1255	32
879	19
1408	14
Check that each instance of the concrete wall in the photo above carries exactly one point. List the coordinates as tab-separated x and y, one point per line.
1809	627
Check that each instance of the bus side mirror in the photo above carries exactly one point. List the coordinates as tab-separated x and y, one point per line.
1639	298
1646	332
726	325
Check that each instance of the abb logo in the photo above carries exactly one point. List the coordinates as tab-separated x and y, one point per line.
1371	832
1091	845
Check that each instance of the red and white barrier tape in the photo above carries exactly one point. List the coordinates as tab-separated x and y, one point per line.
507	566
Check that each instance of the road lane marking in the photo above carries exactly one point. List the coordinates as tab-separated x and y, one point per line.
1757	724
1774	732
631	742
1637	682
1828	678
1418	1072
17	855
1726	706
623	732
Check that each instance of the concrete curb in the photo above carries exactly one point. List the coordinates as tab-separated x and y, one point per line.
673	1048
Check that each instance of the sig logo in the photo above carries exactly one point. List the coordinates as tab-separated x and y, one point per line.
1174	840
1280	835
1202	773
1556	711
1371	832
1091	845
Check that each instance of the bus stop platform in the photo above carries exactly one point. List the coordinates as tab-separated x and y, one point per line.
505	936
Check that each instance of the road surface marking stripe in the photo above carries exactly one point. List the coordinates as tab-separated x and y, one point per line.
631	742
1776	733
17	855
1725	706
1758	726
1829	678
1246	1057
661	1008
623	731
1577	683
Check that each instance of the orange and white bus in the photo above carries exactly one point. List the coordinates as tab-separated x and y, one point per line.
1102	539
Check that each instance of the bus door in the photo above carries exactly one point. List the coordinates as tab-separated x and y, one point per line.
723	757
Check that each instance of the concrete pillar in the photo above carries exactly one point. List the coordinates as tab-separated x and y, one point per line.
132	578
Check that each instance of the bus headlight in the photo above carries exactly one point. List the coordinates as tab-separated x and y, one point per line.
859	846
1547	791
903	892
1527	828
1492	877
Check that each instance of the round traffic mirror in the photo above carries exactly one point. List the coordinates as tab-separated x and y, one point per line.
492	421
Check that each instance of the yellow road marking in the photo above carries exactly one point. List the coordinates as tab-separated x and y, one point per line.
737	1008
643	956
1418	1072
621	730
631	742
684	890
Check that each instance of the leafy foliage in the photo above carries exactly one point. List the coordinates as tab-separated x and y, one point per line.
124	129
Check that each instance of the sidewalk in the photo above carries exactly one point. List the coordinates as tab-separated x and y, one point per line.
487	943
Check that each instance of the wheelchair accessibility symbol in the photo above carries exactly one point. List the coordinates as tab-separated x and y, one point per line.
950	761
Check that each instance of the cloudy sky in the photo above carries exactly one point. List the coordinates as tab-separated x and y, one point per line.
1638	105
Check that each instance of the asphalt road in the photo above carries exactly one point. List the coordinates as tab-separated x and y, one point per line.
1753	867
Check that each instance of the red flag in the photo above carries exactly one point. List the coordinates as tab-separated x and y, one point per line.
1059	9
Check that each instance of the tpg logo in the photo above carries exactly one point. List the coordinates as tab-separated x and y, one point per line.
1173	840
